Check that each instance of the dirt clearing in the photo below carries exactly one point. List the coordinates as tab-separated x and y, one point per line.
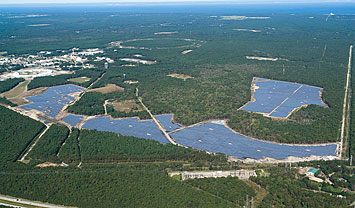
39	25
79	80
180	76
17	90
259	58
165	33
186	51
108	88
255	31
47	164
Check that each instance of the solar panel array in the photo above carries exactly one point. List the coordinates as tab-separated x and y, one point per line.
51	101
166	121
73	119
127	126
217	138
279	99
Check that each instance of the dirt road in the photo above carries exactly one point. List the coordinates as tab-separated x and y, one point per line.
345	103
34	144
160	127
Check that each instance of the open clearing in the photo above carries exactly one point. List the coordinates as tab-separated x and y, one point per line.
255	31
80	80
39	25
165	33
127	106
186	51
243	18
180	76
141	61
261	58
17	91
108	88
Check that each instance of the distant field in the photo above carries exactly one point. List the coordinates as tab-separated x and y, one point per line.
127	106
79	79
108	89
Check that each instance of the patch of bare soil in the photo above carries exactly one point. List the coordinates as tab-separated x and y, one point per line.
108	88
186	51
47	164
180	76
165	33
39	25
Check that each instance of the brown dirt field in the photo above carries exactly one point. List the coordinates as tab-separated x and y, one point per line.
261	58
47	164
180	76
127	106
108	88
186	51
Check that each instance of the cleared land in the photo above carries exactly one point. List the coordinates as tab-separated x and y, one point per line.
255	31
108	88
261	58
18	90
80	79
165	33
127	106
180	76
39	25
186	51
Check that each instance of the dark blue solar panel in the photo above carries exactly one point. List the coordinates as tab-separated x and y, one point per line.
166	121
73	119
128	126
217	138
281	98
51	101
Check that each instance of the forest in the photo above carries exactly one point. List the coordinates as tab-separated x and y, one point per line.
17	132
231	189
70	152
9	84
284	190
49	144
108	147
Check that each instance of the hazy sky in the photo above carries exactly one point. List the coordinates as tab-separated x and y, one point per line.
120	1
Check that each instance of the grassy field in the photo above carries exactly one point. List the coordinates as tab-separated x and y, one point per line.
79	79
126	106
17	91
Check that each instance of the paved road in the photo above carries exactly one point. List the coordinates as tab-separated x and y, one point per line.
28	202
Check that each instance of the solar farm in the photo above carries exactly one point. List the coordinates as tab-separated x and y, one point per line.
73	119
279	99
128	127
53	99
274	98
215	137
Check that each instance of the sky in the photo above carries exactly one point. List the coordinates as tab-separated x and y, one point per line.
168	1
